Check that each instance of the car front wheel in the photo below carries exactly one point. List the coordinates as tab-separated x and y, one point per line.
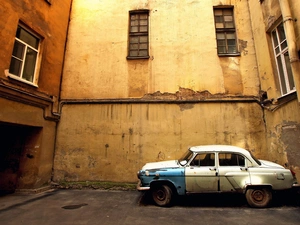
258	197
162	195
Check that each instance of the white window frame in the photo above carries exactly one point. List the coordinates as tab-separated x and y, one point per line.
280	49
20	76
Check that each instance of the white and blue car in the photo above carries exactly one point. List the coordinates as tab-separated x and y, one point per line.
215	168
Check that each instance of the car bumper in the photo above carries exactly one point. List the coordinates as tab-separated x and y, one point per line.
140	188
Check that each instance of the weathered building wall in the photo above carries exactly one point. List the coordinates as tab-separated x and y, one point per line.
112	141
182	51
27	115
282	112
118	114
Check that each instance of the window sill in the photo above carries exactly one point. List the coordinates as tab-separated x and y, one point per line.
287	97
134	57
14	77
230	54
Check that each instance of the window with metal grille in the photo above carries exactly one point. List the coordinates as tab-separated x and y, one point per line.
24	58
284	70
138	35
225	31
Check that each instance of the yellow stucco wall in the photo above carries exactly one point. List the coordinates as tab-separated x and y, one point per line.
182	51
282	117
113	141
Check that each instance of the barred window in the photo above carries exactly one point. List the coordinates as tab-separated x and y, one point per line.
138	35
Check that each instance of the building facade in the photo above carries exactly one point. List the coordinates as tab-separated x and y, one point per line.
144	80
33	37
94	93
276	32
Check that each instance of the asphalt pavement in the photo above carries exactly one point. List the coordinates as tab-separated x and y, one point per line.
72	207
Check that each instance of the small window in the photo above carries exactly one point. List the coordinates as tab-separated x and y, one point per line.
231	159
225	31
284	70
138	35
204	159
23	64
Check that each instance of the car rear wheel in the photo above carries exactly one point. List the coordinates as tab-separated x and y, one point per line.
258	197
162	195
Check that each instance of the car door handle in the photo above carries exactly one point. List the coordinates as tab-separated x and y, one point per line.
244	168
213	169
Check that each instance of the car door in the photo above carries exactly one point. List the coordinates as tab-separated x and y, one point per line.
200	174
232	171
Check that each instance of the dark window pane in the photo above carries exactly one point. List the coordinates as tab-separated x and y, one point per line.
143	28
221	49
231	42
219	19
281	33
18	50
29	66
281	75
228	18
144	39
289	71
133	53
231	49
143	22
27	38
134	46
283	45
134	40
143	53
15	67
143	16
274	36
229	25
143	46
221	42
227	12
134	29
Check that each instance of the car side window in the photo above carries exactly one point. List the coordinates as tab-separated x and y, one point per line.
231	159
204	159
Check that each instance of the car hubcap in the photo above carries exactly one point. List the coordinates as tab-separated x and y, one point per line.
258	195
160	195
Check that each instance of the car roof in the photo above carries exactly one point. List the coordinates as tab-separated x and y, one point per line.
219	148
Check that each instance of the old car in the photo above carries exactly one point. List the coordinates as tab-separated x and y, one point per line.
215	168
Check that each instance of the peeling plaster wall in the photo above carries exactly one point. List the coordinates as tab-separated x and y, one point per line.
282	114
112	141
283	136
182	51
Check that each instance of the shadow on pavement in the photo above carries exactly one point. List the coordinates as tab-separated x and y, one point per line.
283	198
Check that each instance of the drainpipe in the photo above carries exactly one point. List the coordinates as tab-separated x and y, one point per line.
288	24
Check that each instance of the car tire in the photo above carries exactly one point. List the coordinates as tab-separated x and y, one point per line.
259	197
162	195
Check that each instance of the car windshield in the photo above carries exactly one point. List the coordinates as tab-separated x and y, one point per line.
256	160
185	158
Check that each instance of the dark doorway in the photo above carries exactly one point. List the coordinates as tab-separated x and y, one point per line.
13	141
